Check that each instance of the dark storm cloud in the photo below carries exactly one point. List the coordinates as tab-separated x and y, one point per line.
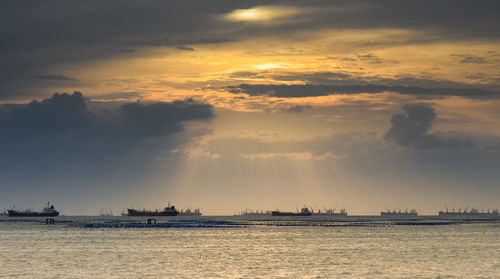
160	119
185	48
64	113
60	113
411	129
41	35
51	77
310	90
62	132
458	19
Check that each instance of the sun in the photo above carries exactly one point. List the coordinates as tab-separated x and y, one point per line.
261	14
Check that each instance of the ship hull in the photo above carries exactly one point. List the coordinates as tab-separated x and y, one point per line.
133	212
13	213
277	213
469	216
253	215
398	215
330	214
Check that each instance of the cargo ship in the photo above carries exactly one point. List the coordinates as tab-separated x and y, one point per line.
303	212
106	213
330	212
472	213
257	213
399	213
48	211
188	212
167	211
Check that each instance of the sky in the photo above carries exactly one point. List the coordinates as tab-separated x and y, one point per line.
244	105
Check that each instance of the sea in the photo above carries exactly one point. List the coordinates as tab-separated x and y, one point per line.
239	247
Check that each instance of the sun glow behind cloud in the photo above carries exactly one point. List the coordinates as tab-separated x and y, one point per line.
262	14
267	66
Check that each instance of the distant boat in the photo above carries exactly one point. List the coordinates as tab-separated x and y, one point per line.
330	212
399	213
257	213
472	213
48	211
4	213
106	213
167	211
303	212
188	212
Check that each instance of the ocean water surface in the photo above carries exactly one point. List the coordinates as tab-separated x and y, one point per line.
228	247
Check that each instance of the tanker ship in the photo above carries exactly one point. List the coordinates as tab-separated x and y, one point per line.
167	211
472	213
303	212
48	211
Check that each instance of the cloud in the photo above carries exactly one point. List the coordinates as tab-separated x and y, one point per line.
407	83
412	126
60	113
159	119
61	34
263	14
473	59
185	48
370	58
323	77
310	90
470	59
63	113
296	109
52	77
62	131
411	129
